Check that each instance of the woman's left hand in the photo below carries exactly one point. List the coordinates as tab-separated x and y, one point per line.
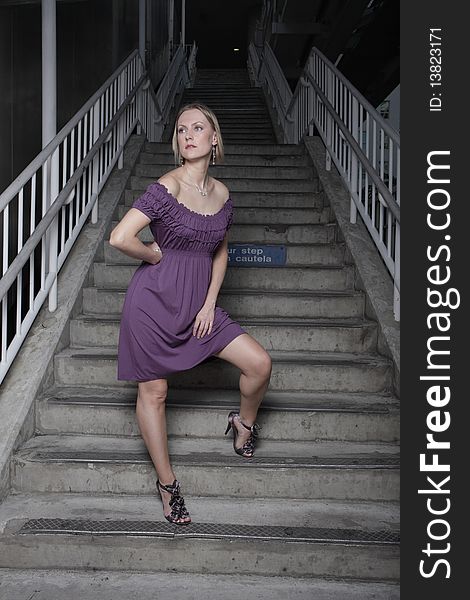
204	321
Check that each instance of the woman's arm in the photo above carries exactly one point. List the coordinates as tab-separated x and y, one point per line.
124	237
205	317
219	267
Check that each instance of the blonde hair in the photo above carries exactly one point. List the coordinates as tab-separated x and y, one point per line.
210	116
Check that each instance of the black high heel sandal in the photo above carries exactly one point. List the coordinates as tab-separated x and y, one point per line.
178	509
248	448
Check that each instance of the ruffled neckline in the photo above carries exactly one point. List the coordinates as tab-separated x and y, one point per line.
189	210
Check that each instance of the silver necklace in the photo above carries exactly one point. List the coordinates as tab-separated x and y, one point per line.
202	191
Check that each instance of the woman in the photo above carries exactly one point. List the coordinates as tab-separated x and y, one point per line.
170	321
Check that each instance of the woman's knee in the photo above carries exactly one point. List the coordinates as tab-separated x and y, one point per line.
153	392
262	364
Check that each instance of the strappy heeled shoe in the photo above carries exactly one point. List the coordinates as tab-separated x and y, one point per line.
178	509
248	448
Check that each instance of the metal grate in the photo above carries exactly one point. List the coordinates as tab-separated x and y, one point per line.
208	530
210	459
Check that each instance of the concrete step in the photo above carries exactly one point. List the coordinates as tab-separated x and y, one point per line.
283	415
252	160
338	539
240	115
209	467
314	202
238	97
272	149
122	585
264	133
244	135
250	126
221	172
247	185
299	278
315	278
325	335
314	371
299	254
282	233
238	139
244	303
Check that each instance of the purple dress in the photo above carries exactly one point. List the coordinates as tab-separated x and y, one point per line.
162	301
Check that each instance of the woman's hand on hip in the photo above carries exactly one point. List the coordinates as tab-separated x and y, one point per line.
156	249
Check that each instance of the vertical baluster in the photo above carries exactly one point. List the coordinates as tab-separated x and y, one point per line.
354	117
64	160
63	212
390	220
382	154
382	171
100	131
6	213
64	208
396	274
6	229
19	278
345	120
374	164
362	197
381	224
398	177
85	137
340	145
367	151
79	160
32	227
336	99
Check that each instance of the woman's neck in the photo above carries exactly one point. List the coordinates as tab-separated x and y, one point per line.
196	174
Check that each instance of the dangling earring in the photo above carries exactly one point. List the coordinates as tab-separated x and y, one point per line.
213	154
181	161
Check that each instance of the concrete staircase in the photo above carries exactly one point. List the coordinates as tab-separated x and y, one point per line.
240	108
315	513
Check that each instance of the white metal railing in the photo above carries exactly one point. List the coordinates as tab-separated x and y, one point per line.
364	148
43	211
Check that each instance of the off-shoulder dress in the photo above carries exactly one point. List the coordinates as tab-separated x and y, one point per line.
161	303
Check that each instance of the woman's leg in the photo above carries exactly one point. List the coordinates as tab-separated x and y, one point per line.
255	365
151	417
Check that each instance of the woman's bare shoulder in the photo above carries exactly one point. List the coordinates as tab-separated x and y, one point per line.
171	182
221	190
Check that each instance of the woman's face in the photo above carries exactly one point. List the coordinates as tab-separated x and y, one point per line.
195	134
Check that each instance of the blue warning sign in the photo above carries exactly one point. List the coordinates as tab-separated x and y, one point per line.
256	255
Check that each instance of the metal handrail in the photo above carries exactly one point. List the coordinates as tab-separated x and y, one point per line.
383	190
67	176
362	99
19	261
39	160
362	145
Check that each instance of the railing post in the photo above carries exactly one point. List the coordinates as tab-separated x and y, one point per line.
354	162
120	125
310	97
329	119
49	130
54	230
396	276
96	162
142	26
138	111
